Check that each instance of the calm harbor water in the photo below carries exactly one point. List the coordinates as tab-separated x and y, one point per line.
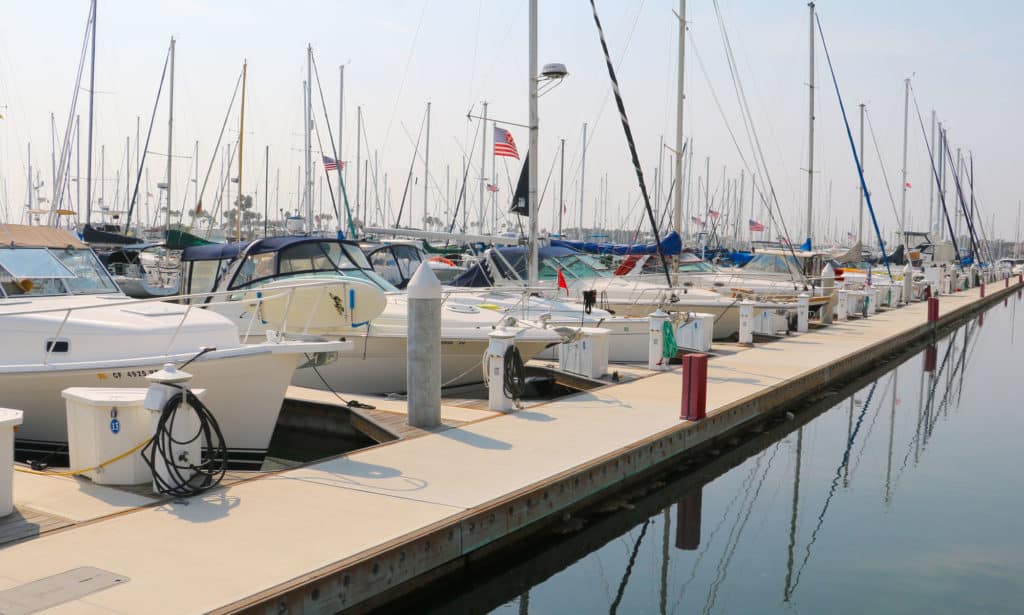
899	494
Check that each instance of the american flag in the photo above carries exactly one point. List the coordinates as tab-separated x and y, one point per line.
696	220
330	164
492	188
850	236
713	214
755	225
504	144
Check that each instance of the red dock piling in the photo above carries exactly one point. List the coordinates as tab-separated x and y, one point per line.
930	356
982	286
695	387
933	309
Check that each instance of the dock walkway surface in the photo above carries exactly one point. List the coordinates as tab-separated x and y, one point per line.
340	532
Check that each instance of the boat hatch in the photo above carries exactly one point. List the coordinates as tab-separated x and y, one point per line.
154	309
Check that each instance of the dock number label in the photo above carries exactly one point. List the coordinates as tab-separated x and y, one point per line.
115	426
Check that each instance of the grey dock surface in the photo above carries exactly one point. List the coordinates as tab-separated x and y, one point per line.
358	529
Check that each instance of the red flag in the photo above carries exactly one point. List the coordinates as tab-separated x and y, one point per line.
908	184
561	283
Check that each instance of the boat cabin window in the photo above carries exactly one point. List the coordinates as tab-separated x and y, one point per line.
408	259
313	257
42	272
203	275
578	265
774	263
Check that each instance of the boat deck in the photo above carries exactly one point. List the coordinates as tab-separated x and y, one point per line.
356	529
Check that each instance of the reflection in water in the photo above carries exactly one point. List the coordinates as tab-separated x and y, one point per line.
898	493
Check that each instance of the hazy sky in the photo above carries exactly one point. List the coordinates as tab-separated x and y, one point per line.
399	54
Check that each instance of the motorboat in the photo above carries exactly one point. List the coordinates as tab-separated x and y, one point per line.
590	283
65	323
246	272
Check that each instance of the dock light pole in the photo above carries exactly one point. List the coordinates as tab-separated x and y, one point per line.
551	73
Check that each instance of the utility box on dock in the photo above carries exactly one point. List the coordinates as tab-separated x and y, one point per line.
588	355
104	423
9	421
695	334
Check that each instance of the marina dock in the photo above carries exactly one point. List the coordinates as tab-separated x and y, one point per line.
359	530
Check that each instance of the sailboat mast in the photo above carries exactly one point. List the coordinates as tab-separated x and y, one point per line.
677	198
561	188
583	177
92	88
341	165
483	166
903	197
241	137
359	164
170	139
426	170
810	129
309	140
860	202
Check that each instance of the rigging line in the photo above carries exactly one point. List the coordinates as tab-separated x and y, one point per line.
408	177
65	148
853	149
963	205
833	488
727	556
935	176
867	434
405	74
462	190
881	164
327	179
632	144
629	569
743	490
576	162
752	135
149	133
216	147
334	149
977	209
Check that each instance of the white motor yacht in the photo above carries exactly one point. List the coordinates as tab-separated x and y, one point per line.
65	323
377	366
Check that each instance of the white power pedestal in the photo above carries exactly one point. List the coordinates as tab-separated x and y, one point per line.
501	340
184	429
9	420
695	335
588	355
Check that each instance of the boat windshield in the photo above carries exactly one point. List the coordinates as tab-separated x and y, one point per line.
52	272
687	264
312	258
774	263
578	265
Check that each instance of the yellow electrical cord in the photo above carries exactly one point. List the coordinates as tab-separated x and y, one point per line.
84	470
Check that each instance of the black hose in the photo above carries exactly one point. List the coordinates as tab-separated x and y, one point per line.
187	477
515	373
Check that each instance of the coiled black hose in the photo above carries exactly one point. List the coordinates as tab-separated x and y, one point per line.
187	477
515	373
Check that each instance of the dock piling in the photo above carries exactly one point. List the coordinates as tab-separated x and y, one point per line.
844	304
908	283
828	283
933	309
423	356
695	387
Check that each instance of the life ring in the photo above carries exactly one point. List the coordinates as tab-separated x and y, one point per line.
441	259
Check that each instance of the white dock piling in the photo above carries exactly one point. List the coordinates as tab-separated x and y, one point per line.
843	304
655	361
828	283
803	302
908	283
423	355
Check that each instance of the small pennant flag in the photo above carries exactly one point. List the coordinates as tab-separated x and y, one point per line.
697	220
330	164
755	225
492	188
850	236
561	283
199	208
713	214
907	184
504	144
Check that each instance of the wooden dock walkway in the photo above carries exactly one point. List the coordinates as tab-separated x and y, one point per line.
356	530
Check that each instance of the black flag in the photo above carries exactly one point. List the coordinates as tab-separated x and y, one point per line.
521	198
